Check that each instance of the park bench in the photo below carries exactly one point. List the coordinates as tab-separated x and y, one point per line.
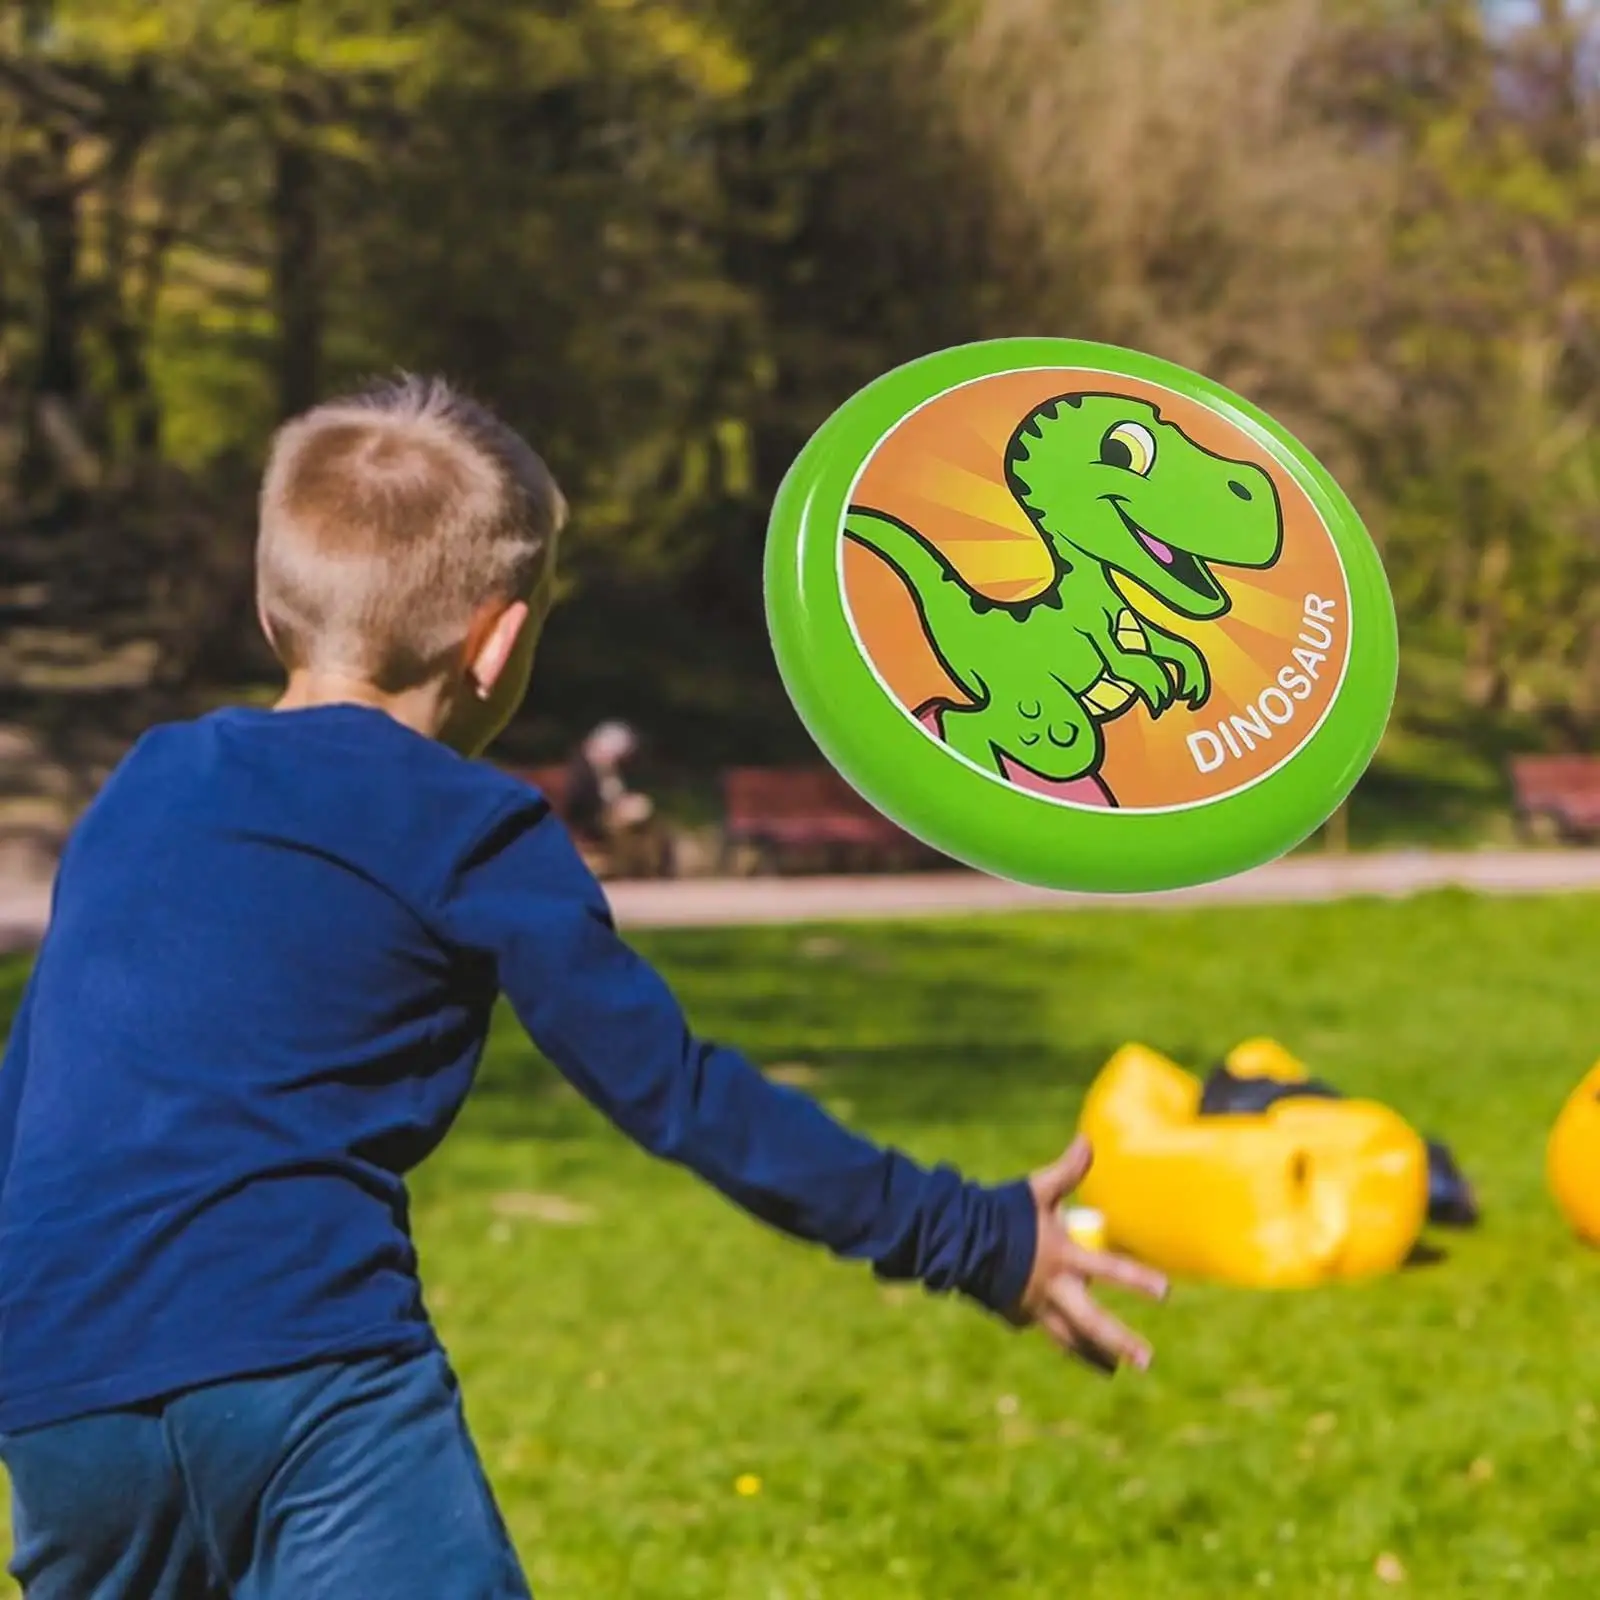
551	782
1558	793
657	846
790	815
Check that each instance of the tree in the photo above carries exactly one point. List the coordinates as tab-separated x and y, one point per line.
1382	223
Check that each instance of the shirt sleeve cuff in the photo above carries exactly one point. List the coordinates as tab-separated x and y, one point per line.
1017	1221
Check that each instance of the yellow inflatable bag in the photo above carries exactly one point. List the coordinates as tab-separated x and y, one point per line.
1302	1193
1572	1159
1265	1058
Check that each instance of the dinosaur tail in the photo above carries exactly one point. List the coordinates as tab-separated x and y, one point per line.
941	596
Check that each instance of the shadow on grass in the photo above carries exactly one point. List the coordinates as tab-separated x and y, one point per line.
907	1026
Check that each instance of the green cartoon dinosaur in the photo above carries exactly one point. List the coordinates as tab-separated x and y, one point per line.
1112	489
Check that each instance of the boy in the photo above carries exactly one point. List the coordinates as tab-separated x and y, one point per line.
276	940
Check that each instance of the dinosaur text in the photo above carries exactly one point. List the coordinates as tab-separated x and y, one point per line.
1236	736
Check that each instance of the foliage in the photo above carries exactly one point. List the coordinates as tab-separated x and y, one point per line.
667	236
1381	222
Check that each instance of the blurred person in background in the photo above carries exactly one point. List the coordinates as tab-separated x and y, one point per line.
603	811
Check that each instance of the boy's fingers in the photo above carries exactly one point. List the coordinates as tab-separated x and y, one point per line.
1054	1183
1097	1326
1055	1323
1099	1266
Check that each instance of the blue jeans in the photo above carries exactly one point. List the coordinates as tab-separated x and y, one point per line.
354	1480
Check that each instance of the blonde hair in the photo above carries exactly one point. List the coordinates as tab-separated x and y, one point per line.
387	518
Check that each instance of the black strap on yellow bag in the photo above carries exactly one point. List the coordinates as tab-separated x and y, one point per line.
1451	1202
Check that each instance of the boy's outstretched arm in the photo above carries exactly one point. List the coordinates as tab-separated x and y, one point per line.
523	901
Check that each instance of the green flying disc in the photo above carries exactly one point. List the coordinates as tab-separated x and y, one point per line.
1078	617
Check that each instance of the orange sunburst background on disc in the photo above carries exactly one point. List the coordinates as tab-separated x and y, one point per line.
942	470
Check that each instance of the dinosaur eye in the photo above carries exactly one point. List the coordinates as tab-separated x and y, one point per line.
1131	446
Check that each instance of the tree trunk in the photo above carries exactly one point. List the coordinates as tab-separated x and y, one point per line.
57	387
1336	831
297	279
1564	139
1486	667
136	410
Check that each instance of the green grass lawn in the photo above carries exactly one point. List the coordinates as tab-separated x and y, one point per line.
631	1347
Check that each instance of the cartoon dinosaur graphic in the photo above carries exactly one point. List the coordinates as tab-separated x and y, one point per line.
1113	489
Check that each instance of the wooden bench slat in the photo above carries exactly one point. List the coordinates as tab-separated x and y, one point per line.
1565	789
550	781
792	808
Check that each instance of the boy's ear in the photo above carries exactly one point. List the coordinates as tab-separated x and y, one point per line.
496	643
265	624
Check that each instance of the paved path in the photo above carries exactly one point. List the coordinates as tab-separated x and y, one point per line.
732	902
715	902
24	910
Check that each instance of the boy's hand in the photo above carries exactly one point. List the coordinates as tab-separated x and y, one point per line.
1057	1297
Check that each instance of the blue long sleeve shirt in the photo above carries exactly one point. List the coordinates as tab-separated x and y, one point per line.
276	943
